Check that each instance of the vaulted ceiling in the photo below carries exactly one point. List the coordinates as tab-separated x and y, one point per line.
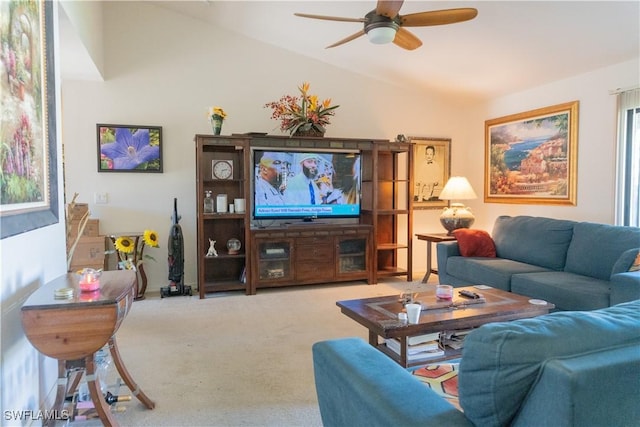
510	46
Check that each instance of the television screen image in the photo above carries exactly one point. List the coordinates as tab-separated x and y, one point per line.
306	185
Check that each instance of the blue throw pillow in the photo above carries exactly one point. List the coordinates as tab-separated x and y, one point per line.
500	361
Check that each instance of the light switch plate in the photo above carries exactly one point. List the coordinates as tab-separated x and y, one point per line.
101	198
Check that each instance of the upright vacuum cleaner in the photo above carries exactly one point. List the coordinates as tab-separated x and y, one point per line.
175	249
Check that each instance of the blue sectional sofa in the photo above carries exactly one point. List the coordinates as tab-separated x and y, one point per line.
570	368
574	265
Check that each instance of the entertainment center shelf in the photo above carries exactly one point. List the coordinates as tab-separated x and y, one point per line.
375	244
310	254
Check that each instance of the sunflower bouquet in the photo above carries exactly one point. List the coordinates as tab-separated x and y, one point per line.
130	250
216	116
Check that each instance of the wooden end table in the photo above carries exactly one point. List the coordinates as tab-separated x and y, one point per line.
430	239
380	316
73	330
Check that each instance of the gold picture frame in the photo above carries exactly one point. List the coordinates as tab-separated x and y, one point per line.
431	171
531	157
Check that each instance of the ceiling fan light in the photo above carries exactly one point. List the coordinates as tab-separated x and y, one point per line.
381	35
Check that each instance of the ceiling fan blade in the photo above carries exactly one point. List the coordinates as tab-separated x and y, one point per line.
389	8
329	18
347	39
438	17
406	39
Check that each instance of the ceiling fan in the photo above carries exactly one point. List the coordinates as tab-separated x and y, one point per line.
385	25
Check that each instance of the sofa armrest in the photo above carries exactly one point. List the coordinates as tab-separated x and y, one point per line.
444	250
624	287
565	391
357	385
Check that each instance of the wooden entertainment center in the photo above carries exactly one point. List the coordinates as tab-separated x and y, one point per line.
377	244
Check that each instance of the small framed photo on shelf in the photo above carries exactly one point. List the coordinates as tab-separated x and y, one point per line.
129	148
431	171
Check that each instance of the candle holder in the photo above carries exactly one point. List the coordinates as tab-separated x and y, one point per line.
89	280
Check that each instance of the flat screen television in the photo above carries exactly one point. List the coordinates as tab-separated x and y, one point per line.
305	184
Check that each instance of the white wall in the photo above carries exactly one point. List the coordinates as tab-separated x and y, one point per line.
596	144
166	69
28	261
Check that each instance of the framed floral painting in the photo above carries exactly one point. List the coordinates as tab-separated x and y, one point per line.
431	171
531	157
28	153
129	148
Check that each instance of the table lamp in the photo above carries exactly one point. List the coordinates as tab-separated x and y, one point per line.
457	215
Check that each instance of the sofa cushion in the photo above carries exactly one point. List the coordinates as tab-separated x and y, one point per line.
568	291
533	240
501	361
495	272
475	243
595	248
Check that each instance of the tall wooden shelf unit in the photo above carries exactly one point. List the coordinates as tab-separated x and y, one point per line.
387	206
378	245
224	272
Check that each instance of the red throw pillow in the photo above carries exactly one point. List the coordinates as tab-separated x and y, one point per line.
475	243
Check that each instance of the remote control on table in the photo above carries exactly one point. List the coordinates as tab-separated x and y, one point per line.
469	294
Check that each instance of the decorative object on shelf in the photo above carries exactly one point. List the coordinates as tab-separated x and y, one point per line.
541	168
431	166
221	203
208	202
233	246
302	115
217	116
129	148
222	169
239	205
212	249
457	215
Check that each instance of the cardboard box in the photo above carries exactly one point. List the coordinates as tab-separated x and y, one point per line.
78	211
78	267
89	251
91	229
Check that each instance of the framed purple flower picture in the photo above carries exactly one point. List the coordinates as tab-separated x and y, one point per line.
129	148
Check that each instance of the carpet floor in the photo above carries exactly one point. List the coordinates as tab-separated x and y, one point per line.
232	359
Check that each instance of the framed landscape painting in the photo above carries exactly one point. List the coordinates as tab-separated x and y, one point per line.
28	153
129	148
531	157
431	171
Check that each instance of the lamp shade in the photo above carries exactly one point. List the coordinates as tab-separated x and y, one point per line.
457	188
381	35
457	215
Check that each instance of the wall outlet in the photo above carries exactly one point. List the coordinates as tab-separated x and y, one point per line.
101	198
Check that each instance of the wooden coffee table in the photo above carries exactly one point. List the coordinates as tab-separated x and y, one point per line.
380	315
